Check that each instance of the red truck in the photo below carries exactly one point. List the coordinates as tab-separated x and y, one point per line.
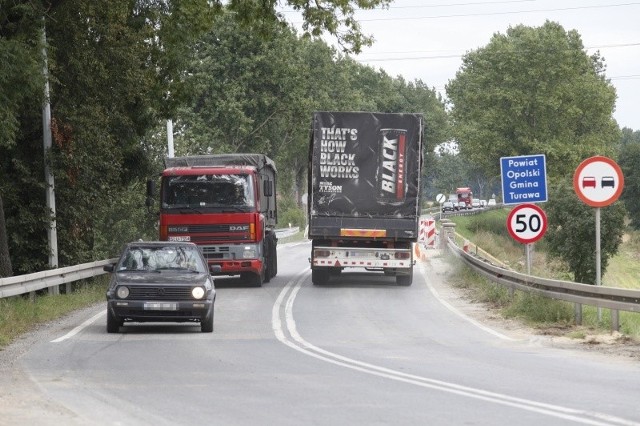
465	195
226	204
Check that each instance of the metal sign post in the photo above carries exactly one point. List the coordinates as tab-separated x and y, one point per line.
527	223
598	182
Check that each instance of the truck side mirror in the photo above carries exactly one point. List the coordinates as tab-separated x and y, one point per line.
267	191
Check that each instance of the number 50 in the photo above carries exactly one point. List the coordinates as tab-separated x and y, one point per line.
534	224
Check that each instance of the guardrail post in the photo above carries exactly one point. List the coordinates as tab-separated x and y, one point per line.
615	320
448	230
578	313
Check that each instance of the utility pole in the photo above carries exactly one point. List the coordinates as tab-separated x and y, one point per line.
170	138
52	233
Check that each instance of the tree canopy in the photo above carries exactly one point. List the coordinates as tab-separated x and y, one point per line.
533	91
628	159
233	75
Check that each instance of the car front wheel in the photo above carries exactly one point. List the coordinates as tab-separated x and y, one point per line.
206	326
113	324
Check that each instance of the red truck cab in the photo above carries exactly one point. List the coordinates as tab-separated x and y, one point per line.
226	205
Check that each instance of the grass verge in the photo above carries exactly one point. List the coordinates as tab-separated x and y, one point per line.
487	232
20	314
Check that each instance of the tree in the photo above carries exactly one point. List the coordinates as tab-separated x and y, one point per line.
628	159
571	234
533	91
116	71
449	172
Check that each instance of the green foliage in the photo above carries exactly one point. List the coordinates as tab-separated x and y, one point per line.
232	82
21	78
539	309
290	213
628	159
571	234
324	16
494	223
533	91
294	216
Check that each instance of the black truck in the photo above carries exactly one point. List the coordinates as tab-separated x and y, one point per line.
364	193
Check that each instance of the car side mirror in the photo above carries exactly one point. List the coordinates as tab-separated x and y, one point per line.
109	268
215	269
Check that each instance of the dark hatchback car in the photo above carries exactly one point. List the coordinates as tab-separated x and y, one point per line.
160	281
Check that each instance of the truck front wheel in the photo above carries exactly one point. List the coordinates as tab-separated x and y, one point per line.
254	280
320	276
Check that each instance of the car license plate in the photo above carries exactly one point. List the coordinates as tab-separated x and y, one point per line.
160	306
186	238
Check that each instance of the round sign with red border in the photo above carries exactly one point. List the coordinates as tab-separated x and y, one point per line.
527	223
598	181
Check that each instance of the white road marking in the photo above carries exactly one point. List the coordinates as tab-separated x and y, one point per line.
295	341
460	314
79	328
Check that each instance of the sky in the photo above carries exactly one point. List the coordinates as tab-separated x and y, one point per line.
426	39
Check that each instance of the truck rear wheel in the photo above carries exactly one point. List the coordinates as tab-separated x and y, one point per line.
320	276
404	280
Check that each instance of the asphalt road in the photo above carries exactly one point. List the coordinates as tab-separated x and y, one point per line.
358	351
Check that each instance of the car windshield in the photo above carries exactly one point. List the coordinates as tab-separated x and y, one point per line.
159	258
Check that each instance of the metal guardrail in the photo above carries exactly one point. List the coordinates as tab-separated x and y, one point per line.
287	232
22	284
613	298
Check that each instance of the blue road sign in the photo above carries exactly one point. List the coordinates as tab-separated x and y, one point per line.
524	179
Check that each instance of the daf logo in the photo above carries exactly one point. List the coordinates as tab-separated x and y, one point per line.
238	227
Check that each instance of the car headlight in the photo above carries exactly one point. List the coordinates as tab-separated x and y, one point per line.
122	292
197	292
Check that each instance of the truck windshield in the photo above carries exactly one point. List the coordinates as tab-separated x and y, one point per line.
195	191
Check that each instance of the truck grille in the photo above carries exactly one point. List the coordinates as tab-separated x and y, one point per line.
215	252
203	234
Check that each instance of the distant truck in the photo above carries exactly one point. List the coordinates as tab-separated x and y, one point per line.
364	193
465	195
226	204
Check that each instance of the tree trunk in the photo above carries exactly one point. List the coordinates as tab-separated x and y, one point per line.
5	260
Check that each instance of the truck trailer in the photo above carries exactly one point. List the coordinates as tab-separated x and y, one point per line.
226	204
364	193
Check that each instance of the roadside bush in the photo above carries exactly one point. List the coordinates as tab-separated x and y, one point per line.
293	216
290	213
494	223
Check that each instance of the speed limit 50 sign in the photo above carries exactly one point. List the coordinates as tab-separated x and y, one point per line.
527	223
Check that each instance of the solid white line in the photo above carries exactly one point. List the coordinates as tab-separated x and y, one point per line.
460	314
79	328
301	345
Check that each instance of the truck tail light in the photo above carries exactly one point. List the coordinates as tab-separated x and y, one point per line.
164	232
321	253
403	255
